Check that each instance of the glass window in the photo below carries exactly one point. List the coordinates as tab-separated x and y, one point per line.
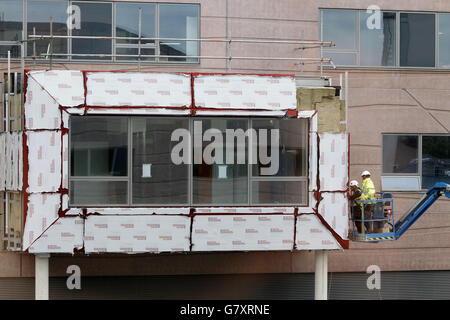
291	143
184	161
98	193
417	40
14	51
99	146
178	21
400	154
217	180
38	20
279	175
156	178
432	164
435	160
377	46
278	192
127	25
444	40
98	163
339	26
96	20
10	20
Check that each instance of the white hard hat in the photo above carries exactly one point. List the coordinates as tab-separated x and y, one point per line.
353	183
365	173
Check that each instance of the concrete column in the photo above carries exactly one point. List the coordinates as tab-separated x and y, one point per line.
41	276
321	275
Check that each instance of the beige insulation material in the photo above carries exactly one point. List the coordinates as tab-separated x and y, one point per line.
331	110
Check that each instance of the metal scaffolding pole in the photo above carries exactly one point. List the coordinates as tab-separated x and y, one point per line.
139	41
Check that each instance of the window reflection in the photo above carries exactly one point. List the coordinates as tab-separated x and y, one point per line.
178	21
221	183
10	20
182	161
278	192
444	40
99	146
127	25
98	192
417	40
292	153
156	179
38	16
339	27
435	160
400	154
96	20
377	46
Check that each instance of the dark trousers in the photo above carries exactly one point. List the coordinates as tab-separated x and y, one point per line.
368	215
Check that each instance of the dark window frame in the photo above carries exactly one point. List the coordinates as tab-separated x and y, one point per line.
250	177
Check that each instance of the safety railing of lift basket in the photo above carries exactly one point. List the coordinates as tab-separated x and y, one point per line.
382	217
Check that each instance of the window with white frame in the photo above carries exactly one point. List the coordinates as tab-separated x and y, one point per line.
415	161
138	161
386	39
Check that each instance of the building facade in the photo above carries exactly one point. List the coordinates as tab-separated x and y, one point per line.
398	111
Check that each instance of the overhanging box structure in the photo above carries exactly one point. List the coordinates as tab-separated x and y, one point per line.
36	162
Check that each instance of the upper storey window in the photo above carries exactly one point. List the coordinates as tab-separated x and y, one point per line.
82	26
386	38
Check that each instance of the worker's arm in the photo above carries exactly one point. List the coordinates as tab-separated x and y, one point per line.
355	195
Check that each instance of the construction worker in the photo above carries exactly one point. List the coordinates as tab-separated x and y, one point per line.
368	193
355	194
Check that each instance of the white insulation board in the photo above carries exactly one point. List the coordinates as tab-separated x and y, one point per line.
41	110
64	236
246	210
139	111
311	234
139	211
333	161
138	89
44	161
234	113
43	209
135	234
242	232
334	209
65	86
245	92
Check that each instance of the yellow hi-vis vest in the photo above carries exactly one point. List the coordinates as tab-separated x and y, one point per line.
367	190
